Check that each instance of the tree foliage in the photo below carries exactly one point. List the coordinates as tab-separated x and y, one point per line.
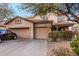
5	11
71	10
39	8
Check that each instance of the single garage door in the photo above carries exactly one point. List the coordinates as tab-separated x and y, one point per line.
41	33
22	33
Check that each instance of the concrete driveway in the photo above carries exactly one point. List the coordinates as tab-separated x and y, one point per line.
23	48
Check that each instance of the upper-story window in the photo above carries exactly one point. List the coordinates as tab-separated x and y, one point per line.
71	18
18	21
60	18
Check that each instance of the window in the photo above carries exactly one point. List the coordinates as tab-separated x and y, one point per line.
71	17
17	21
60	18
54	28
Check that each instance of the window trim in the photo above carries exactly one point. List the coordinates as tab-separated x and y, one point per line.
18	21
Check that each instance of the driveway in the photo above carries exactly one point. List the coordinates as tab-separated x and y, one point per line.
23	48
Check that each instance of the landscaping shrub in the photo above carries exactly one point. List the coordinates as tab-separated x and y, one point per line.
55	35
75	46
63	52
77	34
60	34
68	35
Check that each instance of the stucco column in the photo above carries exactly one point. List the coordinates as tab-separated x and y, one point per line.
32	31
50	29
50	26
56	28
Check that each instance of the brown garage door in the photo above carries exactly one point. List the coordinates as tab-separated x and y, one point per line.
22	33
41	33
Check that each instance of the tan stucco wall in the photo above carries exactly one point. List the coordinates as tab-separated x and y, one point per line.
51	16
42	25
38	28
76	27
26	33
23	24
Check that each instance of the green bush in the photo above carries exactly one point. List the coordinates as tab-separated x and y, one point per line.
55	34
60	34
68	35
75	46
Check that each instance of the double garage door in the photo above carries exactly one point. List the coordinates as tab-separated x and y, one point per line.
41	33
22	33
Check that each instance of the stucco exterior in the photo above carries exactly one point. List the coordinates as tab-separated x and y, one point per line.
23	30
27	29
35	27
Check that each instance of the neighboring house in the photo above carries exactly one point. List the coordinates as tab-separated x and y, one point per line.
37	28
2	26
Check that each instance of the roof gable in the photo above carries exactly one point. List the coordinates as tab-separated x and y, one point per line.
30	19
17	17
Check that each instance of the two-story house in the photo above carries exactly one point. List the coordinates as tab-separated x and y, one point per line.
37	27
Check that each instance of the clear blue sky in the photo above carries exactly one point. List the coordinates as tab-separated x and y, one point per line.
19	12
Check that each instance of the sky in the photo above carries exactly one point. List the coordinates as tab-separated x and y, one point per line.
19	12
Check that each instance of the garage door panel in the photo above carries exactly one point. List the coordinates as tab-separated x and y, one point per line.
41	33
22	33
